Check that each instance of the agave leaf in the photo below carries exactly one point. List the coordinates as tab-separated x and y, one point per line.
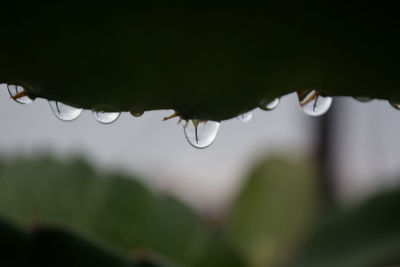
193	57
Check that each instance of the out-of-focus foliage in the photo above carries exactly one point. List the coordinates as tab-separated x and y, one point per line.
47	247
273	222
113	208
368	235
274	211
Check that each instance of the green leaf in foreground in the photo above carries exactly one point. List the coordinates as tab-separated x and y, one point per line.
114	209
53	247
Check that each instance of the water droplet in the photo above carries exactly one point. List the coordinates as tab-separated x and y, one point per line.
136	113
363	99
64	112
313	103
106	117
245	117
18	94
201	134
267	105
396	105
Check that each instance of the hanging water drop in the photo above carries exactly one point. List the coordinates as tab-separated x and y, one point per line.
106	117
267	105
18	94
245	117
363	99
201	134
396	105
313	103
64	112
136	113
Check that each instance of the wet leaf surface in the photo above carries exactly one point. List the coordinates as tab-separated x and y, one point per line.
192	58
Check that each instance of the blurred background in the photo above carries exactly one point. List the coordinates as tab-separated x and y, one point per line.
352	150
363	146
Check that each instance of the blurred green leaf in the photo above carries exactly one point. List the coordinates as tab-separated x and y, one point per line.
114	208
363	236
274	211
13	243
51	247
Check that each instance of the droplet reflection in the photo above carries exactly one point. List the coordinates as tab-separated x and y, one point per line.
106	117
245	117
266	105
18	94
313	103
64	112
201	134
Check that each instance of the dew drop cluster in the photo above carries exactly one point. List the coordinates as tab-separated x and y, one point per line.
199	133
62	111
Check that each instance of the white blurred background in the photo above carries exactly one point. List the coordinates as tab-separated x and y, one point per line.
366	141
